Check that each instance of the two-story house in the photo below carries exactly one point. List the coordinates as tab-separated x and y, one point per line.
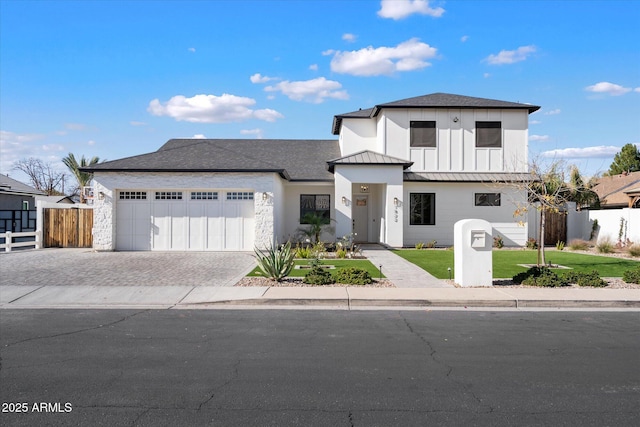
399	173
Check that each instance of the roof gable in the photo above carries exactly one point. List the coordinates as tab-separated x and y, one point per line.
367	157
11	186
434	100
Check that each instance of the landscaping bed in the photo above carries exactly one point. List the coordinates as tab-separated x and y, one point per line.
297	282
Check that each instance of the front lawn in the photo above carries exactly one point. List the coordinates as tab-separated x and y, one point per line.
505	262
338	263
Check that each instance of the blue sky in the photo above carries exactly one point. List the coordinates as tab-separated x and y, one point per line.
115	79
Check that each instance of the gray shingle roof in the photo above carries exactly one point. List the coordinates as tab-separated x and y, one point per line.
367	157
434	100
296	160
11	186
468	176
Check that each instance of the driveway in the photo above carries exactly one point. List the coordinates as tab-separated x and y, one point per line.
84	267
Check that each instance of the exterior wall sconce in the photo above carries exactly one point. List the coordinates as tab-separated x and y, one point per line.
396	202
265	196
364	188
455	119
101	195
344	200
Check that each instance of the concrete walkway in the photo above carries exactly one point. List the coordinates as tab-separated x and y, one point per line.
401	272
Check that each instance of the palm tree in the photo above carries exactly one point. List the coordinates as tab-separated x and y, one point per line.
83	178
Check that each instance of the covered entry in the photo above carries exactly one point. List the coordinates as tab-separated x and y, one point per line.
184	220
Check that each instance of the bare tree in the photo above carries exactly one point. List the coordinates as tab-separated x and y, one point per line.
549	191
42	176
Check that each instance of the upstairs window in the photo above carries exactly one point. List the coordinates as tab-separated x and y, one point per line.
315	204
423	134
487	199
489	134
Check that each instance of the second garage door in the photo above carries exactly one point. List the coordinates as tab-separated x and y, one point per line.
190	220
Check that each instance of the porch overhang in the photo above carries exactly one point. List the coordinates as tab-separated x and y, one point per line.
367	157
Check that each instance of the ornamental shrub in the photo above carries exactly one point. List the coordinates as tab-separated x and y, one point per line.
578	245
540	276
585	279
353	276
605	246
632	276
634	250
318	275
532	243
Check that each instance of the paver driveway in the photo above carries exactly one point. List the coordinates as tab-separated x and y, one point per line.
84	267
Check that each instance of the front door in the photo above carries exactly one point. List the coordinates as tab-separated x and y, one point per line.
361	219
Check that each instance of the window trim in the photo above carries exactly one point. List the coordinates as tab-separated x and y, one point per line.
422	124
486	203
432	212
486	124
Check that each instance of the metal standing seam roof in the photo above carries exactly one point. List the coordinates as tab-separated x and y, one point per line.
434	100
468	176
11	186
368	157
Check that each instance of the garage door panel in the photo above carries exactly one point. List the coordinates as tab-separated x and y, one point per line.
215	227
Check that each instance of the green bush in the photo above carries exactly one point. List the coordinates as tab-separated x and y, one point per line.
632	276
539	276
605	246
318	275
275	262
341	253
303	252
591	279
578	245
559	245
353	276
419	245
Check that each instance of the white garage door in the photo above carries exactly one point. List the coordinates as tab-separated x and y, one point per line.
184	220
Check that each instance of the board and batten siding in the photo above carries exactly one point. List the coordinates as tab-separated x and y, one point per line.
455	150
455	202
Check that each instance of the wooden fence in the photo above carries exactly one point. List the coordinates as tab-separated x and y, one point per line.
67	228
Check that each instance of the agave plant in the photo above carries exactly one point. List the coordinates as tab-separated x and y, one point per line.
275	262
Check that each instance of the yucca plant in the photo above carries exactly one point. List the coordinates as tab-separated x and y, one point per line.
275	262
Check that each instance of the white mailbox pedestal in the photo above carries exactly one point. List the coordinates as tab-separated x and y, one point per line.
472	245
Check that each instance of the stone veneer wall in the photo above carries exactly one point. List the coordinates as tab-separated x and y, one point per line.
107	183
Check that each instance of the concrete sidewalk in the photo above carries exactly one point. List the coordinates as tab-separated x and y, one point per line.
169	297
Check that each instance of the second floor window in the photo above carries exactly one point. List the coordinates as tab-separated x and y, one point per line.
489	134
423	134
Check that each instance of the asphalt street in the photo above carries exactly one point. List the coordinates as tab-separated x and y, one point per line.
318	368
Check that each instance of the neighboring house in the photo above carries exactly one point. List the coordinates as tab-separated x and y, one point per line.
619	191
17	205
399	173
65	200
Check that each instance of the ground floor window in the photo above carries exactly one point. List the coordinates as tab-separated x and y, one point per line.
422	208
487	199
315	204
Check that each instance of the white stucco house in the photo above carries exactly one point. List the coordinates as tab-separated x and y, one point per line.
399	173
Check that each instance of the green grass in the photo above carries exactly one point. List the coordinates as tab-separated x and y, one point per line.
360	263
505	263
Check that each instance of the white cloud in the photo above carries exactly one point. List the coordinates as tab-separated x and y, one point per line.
315	90
407	56
192	49
552	112
538	138
535	122
510	56
259	78
464	38
198	136
399	9
582	153
14	147
211	109
313	67
135	123
348	37
486	75
75	126
608	88
91	143
258	133
637	89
